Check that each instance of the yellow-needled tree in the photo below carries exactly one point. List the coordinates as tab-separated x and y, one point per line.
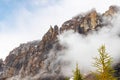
103	66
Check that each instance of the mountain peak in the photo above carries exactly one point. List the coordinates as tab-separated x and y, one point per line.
35	58
112	10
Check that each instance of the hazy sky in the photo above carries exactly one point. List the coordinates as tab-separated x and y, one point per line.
26	20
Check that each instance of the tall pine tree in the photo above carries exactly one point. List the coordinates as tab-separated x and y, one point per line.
77	74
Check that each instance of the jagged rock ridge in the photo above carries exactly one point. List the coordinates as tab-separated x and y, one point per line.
33	58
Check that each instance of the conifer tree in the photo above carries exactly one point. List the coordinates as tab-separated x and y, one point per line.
77	74
66	78
103	65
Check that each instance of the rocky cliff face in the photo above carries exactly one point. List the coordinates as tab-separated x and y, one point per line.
34	59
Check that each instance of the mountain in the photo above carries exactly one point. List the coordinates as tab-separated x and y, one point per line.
35	61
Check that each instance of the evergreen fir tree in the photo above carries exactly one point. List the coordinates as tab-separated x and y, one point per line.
77	74
66	78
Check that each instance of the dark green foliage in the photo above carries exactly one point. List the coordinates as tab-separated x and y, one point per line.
66	78
77	74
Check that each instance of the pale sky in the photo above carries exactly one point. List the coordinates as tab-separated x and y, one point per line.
27	20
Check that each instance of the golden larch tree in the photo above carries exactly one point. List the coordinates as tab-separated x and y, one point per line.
103	66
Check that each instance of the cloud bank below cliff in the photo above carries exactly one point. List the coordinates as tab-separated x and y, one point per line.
81	49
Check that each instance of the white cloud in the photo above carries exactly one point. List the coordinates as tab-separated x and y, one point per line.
30	25
81	49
